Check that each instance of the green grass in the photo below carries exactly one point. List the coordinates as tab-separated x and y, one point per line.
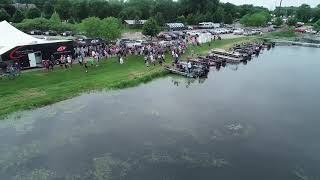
282	35
39	88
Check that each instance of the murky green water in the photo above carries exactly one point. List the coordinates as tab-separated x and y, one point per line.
255	121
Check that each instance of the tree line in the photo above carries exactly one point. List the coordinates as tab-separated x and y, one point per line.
186	11
92	17
304	13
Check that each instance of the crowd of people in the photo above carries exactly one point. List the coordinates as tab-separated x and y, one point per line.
152	53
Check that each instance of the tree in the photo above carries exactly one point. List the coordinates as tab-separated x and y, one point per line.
33	13
195	6
111	28
48	9
108	28
316	26
304	13
151	28
219	15
91	26
143	6
168	9
278	22
99	8
4	15
256	19
18	17
80	10
191	20
246	9
292	21
55	18
316	14
228	19
6	2
10	9
159	18
130	13
230	9
181	19
63	9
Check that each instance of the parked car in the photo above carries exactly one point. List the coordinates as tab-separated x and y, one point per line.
80	40
311	31
299	24
300	30
256	31
67	33
238	32
164	36
190	28
35	32
173	35
50	33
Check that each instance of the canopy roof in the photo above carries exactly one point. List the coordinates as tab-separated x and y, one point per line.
135	22
11	37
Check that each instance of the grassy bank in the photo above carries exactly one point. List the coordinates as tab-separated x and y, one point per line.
281	35
38	88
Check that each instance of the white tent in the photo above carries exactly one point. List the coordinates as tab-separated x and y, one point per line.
11	37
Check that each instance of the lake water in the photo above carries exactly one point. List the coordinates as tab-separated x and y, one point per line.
259	121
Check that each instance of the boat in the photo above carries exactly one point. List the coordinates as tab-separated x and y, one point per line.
232	54
197	70
227	59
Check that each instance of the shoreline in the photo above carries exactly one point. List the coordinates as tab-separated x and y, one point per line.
38	89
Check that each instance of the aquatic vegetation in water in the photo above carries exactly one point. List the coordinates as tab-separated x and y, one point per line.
20	125
238	129
190	159
157	157
235	127
17	155
37	174
301	175
106	168
203	160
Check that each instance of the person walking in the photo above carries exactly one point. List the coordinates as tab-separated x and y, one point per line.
80	59
189	66
61	62
69	60
52	62
85	63
152	59
121	60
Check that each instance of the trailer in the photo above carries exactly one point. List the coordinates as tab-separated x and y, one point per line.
28	51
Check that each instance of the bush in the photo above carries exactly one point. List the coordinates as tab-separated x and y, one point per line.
181	19
4	15
292	21
18	17
256	19
316	26
43	24
278	21
33	13
108	28
151	28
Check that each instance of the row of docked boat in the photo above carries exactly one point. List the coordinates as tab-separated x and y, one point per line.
218	57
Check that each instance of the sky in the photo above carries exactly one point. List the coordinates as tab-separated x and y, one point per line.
270	4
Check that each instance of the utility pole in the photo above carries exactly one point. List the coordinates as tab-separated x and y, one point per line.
280	7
